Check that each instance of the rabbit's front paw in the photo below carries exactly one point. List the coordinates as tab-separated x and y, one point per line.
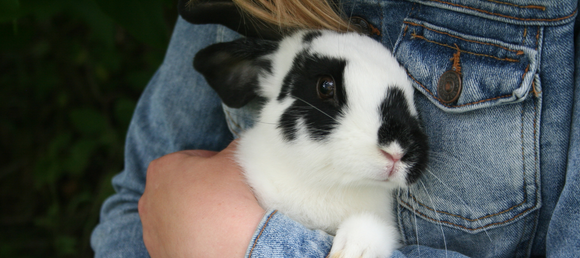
364	236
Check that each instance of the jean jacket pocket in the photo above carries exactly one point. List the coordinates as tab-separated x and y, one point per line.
479	100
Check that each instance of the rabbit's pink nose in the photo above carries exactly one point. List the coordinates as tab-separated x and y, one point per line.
394	157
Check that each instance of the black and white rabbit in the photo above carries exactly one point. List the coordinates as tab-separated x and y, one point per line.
337	133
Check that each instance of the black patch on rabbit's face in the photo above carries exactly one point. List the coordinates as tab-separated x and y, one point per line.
399	125
318	116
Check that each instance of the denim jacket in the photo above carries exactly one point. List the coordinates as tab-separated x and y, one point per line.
504	172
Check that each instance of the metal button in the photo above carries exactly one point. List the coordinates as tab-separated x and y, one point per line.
449	86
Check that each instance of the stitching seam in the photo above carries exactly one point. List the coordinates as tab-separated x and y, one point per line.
504	211
464	227
525	72
523	158
524	153
507	16
261	231
518	52
539	7
467	52
468	219
537	38
490	215
454	106
536	147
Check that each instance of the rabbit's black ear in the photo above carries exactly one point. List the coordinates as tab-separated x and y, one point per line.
232	68
226	13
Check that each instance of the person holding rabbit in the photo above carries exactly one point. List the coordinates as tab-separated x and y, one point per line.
493	85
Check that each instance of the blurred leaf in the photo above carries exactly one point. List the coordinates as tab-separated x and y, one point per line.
71	75
79	54
41	48
79	156
110	139
101	72
138	79
154	58
47	171
88	121
46	79
143	19
102	26
6	250
49	168
42	9
50	219
58	144
110	59
62	99
78	200
105	188
65	245
124	108
9	10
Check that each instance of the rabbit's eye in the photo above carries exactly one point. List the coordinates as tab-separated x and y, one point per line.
325	87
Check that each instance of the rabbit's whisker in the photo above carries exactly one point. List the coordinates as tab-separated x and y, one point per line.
317	109
459	198
436	213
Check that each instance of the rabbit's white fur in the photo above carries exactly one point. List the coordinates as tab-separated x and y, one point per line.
322	183
340	182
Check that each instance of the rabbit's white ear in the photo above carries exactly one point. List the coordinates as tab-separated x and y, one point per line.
232	68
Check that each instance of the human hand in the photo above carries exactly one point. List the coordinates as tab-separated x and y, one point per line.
197	204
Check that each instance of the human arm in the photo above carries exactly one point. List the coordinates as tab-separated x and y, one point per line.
176	111
195	206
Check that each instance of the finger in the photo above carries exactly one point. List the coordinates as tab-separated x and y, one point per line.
199	153
231	148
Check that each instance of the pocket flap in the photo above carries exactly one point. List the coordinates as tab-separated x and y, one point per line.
491	72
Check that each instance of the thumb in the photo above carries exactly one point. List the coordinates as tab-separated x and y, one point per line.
231	149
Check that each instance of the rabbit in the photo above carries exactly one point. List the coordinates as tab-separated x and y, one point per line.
337	132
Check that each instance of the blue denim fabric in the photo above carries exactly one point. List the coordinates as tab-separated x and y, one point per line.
504	174
176	111
563	237
499	154
287	239
277	236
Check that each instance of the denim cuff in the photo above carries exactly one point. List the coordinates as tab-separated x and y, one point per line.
279	236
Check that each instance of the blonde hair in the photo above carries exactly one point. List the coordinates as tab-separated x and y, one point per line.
296	14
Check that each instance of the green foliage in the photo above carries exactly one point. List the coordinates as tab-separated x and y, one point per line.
145	21
9	9
72	71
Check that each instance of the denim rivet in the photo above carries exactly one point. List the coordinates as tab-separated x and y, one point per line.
364	26
449	86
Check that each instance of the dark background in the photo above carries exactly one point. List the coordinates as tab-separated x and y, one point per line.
71	72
